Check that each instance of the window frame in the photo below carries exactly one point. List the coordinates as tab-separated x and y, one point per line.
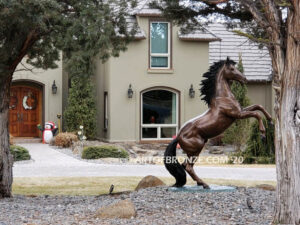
169	54
105	114
159	126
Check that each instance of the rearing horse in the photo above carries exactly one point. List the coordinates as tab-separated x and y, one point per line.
223	110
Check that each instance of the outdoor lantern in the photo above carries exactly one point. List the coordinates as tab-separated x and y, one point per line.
130	92
192	92
54	88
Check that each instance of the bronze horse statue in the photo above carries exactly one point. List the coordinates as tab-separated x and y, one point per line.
223	110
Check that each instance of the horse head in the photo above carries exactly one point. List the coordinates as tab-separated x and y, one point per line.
230	72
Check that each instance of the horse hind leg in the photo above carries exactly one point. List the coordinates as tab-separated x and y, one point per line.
188	166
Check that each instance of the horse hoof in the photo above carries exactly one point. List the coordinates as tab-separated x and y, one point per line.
177	186
205	186
263	137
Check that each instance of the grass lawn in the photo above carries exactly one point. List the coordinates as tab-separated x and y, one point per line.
100	185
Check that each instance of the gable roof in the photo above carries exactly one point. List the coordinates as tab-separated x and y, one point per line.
256	62
144	10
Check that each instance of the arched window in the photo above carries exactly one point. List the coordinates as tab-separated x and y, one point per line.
159	114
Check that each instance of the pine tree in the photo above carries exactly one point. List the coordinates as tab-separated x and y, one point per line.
81	108
237	133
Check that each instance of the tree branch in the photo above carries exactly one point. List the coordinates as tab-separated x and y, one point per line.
214	2
255	11
25	68
31	38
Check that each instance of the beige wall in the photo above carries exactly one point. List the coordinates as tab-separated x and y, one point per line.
190	61
261	94
52	103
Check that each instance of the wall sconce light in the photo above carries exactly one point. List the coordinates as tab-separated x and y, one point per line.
192	92
54	88
130	91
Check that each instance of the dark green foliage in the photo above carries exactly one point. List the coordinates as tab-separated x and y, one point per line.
238	132
81	108
19	153
81	29
235	14
261	151
97	152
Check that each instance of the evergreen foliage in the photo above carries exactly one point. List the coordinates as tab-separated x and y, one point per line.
19	153
238	132
81	108
258	150
97	152
80	29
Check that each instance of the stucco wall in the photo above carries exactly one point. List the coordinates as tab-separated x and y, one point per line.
190	61
261	94
52	103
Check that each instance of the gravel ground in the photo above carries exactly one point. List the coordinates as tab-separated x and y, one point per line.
154	206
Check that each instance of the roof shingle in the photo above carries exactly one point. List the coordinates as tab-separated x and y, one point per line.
256	62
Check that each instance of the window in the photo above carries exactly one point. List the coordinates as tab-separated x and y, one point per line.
159	115
160	57
105	111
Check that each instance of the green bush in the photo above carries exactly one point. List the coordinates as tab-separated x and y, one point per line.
19	153
81	109
97	152
258	150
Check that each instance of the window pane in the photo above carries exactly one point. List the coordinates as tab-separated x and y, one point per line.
149	133
159	61
159	38
168	132
159	107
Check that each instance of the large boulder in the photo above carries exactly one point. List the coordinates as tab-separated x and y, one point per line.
149	181
124	209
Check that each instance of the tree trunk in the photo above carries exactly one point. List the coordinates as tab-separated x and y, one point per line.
6	159
287	140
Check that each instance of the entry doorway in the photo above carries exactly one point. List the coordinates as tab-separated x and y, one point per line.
25	110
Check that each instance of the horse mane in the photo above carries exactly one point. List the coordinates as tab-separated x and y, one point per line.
208	84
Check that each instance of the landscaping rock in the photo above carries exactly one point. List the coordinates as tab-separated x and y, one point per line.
266	187
153	206
122	209
149	181
216	150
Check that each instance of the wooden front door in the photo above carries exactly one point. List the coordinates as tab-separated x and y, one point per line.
25	111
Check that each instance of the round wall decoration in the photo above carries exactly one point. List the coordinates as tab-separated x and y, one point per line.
29	102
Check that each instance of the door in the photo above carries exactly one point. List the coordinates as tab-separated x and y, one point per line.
25	111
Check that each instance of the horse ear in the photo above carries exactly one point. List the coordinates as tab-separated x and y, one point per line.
227	62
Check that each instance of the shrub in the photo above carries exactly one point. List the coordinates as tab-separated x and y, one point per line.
19	153
81	109
97	152
258	150
65	140
238	132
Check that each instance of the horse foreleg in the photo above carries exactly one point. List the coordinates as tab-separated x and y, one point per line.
260	108
248	114
188	166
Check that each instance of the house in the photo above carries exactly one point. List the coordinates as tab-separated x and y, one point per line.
146	94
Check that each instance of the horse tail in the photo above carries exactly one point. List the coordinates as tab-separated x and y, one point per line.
173	166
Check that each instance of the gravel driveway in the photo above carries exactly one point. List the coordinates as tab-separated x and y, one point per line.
51	163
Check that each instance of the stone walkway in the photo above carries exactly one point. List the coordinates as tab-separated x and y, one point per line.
51	163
